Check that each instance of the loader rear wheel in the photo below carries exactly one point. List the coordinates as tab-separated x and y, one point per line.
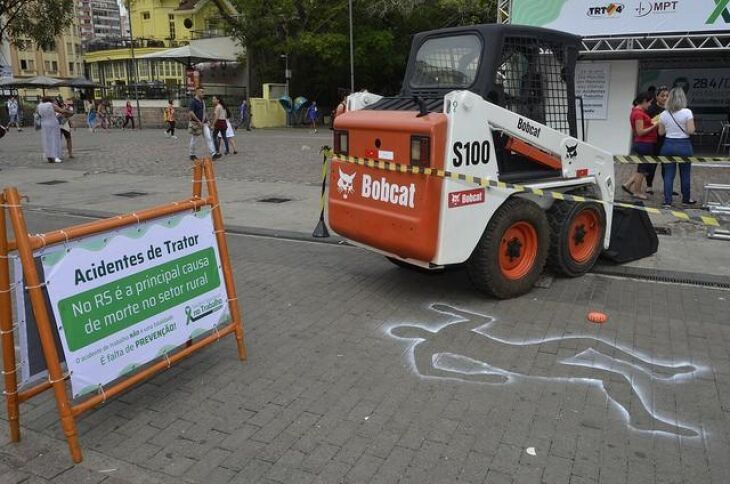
576	236
511	253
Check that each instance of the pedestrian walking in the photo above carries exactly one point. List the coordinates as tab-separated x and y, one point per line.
245	113
677	124
64	123
102	115
656	108
169	118
198	126
220	116
644	143
312	113
91	118
128	114
13	113
50	132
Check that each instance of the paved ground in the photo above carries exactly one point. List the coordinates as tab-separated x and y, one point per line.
334	391
283	164
360	371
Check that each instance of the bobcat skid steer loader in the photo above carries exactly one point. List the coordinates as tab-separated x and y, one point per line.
488	101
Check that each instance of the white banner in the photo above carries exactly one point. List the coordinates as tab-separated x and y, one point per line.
596	17
123	298
591	83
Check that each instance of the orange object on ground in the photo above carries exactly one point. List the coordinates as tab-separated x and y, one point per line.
597	317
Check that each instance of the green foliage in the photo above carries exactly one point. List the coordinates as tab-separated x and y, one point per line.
315	36
38	20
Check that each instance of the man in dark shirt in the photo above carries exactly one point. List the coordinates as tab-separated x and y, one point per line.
199	125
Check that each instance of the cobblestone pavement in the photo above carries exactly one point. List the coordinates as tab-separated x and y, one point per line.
263	155
335	391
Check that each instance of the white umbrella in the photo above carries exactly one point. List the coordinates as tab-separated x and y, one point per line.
188	55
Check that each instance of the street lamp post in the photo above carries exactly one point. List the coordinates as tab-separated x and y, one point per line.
134	65
287	76
352	56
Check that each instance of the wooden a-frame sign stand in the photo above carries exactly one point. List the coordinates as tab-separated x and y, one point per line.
24	244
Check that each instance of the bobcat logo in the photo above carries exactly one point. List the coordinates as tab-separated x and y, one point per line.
344	184
572	151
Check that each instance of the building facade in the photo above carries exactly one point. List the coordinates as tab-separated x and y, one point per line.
63	60
157	25
99	20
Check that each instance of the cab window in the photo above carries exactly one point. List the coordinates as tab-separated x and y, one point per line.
447	62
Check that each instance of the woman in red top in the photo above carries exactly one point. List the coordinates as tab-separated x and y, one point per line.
644	142
128	115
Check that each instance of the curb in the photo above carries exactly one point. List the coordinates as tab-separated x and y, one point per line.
601	268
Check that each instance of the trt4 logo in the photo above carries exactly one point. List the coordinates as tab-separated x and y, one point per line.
722	9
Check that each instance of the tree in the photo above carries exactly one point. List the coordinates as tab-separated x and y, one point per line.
315	37
38	20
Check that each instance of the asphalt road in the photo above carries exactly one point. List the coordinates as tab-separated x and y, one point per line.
360	371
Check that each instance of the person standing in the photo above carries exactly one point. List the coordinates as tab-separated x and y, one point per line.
245	112
198	126
91	115
169	117
656	108
50	133
220	116
13	113
128	114
230	135
644	142
312	112
65	125
677	124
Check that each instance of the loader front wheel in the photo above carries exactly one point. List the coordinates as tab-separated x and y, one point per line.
511	253
576	236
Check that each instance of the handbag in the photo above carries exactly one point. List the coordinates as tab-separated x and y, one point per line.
195	128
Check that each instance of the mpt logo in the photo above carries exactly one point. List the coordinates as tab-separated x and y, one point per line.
722	9
645	8
610	10
345	184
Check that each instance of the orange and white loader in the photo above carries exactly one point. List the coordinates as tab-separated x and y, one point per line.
495	102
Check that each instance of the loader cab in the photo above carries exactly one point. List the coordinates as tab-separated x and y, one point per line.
528	70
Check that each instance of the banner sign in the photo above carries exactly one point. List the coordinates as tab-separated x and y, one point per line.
124	298
591	83
604	17
705	88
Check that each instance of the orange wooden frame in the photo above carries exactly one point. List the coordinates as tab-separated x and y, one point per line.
25	244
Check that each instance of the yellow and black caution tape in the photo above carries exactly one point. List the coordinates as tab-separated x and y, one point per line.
658	160
488	182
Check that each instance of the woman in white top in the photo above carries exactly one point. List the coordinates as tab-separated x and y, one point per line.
220	116
677	124
50	129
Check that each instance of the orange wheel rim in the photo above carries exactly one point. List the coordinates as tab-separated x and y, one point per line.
518	250
584	235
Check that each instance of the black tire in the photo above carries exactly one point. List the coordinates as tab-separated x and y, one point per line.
484	266
560	216
415	268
